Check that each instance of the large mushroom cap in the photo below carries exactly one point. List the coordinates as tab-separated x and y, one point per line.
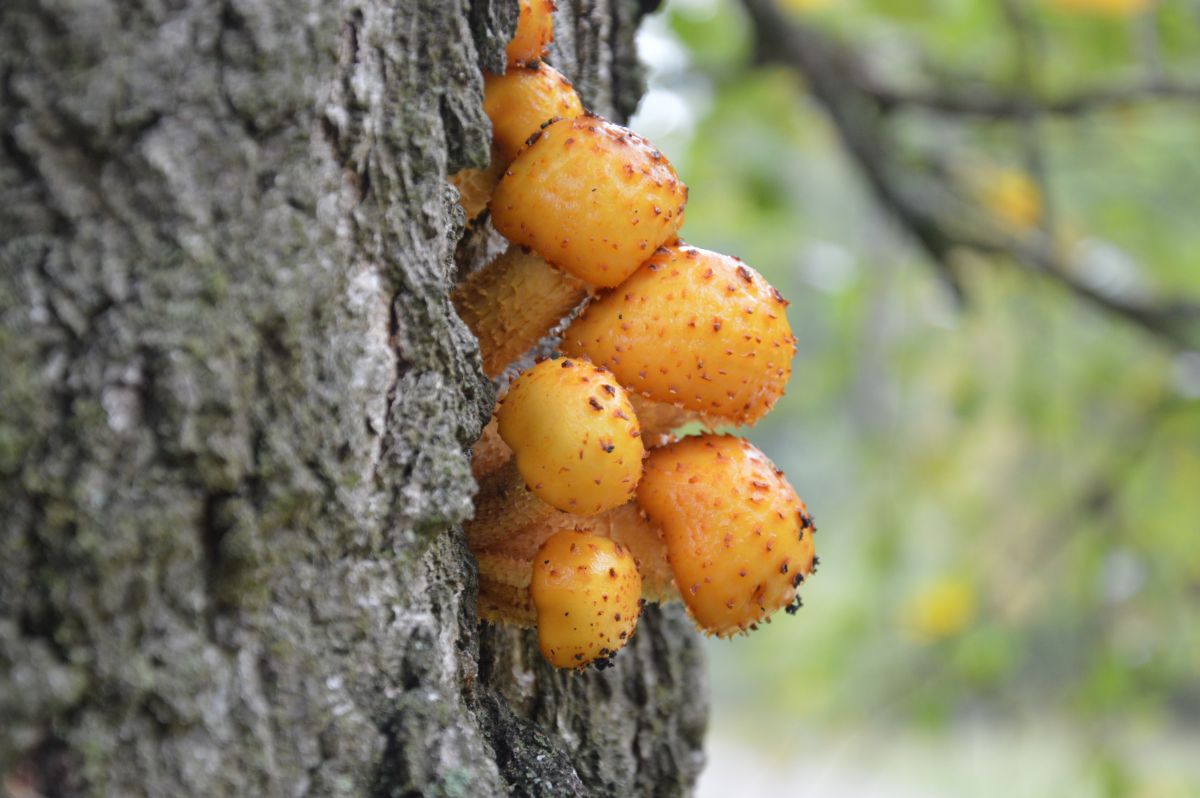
523	99
591	197
738	538
586	591
692	328
574	436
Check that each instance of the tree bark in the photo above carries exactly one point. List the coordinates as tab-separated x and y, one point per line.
236	406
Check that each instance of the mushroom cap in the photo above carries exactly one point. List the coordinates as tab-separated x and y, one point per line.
535	31
521	100
738	538
591	197
574	436
586	591
692	328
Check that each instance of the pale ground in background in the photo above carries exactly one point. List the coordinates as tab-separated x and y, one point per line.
969	762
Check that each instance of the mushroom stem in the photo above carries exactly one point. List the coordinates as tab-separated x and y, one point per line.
504	589
626	525
504	507
512	303
659	419
475	186
489	452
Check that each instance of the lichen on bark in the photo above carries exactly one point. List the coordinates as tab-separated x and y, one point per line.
236	406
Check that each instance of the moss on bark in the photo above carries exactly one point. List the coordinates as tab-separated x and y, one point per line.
235	407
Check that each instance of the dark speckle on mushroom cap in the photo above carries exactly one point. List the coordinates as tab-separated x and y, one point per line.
695	329
573	439
524	100
587	594
732	525
583	196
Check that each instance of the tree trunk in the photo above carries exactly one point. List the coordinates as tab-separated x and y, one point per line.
235	410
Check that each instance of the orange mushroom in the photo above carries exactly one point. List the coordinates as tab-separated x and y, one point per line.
518	103
627	525
576	447
588	197
591	197
511	303
739	540
475	186
700	335
586	592
522	100
535	31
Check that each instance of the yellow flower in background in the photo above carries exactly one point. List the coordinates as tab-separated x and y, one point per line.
940	609
1111	8
802	6
1010	195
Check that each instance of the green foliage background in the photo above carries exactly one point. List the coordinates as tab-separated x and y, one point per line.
1008	494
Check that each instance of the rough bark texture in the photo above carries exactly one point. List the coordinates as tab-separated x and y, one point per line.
234	409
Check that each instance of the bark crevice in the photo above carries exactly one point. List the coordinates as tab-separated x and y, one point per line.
237	406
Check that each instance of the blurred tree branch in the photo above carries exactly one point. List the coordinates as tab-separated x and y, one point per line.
926	200
989	104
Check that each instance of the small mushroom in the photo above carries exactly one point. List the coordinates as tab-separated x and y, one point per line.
522	100
699	335
576	447
588	197
627	525
518	103
739	540
592	198
535	31
586	592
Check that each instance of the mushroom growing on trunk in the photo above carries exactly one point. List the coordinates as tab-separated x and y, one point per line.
590	201
699	335
519	103
576	447
739	540
715	525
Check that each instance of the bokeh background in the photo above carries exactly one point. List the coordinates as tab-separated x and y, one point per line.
995	409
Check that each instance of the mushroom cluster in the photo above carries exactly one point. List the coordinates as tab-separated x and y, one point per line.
589	506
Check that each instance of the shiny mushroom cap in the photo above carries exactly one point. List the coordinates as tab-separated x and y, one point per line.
692	328
587	595
523	99
591	197
535	31
738	538
574	436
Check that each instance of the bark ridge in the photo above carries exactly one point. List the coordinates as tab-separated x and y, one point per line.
235	407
